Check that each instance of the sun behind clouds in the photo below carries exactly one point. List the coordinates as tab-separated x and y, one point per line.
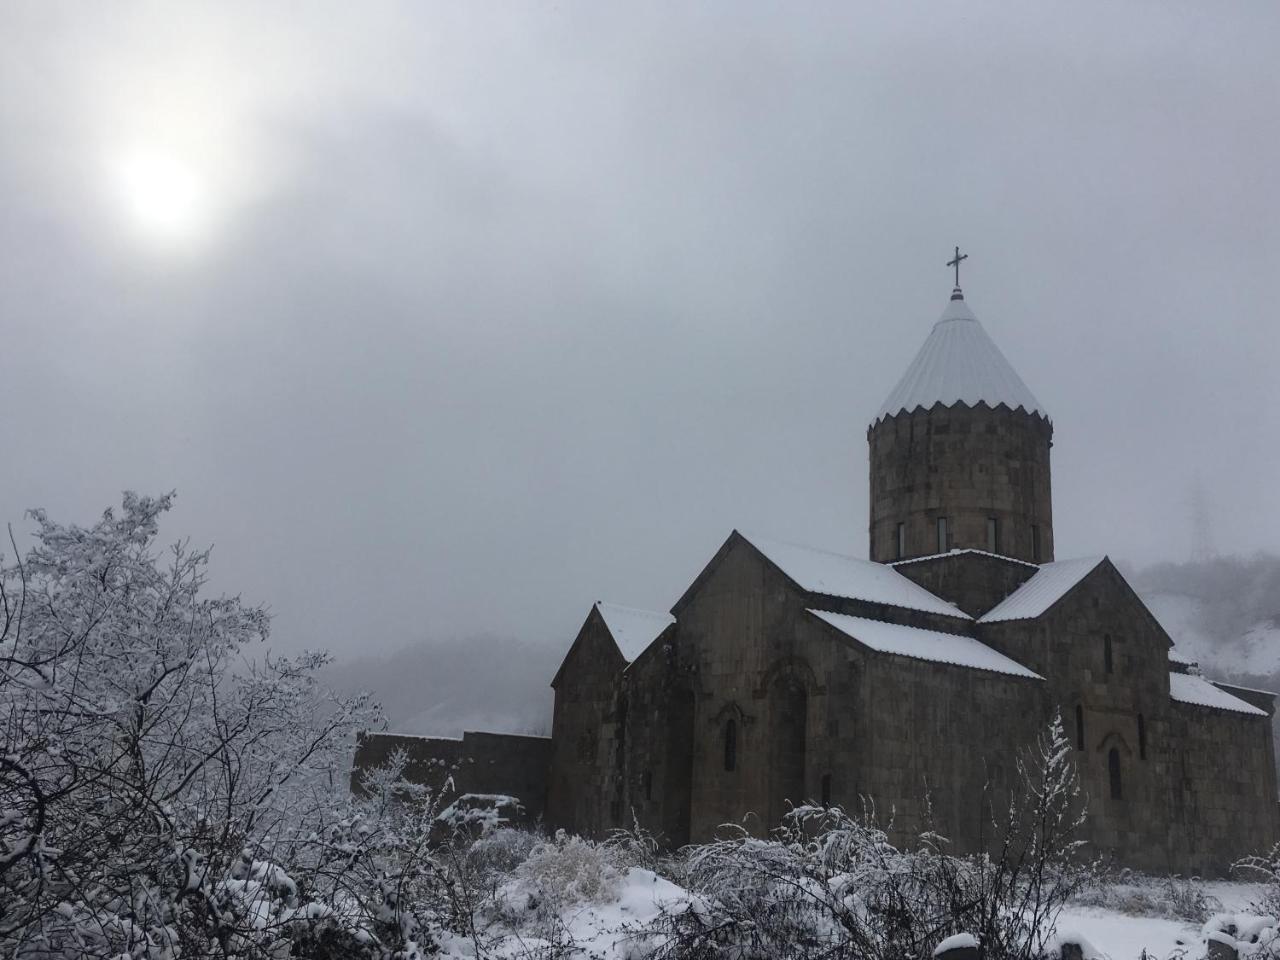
164	198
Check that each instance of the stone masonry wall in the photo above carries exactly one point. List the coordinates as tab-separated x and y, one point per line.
582	784
966	464
1224	788
492	763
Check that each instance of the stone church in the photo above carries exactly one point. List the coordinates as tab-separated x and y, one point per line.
786	673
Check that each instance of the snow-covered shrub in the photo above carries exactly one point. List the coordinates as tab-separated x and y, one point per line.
1264	869
473	815
144	748
832	885
499	852
1139	895
570	869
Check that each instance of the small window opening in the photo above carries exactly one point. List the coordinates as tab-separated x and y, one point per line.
826	789
993	534
1035	542
648	784
942	535
731	745
1079	727
1142	738
1107	655
902	540
1113	769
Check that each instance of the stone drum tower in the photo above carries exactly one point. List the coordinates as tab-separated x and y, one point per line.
960	453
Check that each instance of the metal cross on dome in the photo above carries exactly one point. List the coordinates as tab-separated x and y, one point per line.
956	263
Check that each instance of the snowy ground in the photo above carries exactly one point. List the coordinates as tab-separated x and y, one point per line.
613	930
1124	937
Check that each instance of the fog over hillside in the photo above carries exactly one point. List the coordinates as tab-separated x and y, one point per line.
1224	611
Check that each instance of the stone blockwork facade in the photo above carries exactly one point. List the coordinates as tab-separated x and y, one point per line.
752	702
910	682
965	466
477	763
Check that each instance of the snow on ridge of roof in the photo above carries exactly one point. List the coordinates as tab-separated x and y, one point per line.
1199	692
959	363
837	575
1046	587
633	629
949	648
951	553
1177	656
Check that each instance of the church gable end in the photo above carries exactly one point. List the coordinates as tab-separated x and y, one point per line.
974	580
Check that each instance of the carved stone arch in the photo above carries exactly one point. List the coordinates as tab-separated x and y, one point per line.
1114	738
731	710
794	668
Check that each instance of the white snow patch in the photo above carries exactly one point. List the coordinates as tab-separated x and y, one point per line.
958	941
836	575
959	363
632	629
956	552
1196	690
921	644
1049	585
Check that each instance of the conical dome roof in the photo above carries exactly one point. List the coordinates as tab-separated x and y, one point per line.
959	363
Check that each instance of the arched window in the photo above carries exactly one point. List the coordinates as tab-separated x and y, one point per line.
1142	738
731	745
1079	727
1106	653
1113	770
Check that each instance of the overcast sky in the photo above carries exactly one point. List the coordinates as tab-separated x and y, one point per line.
452	319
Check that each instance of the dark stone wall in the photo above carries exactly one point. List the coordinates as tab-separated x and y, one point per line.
505	763
583	781
1224	802
880	728
966	464
934	740
1168	817
975	582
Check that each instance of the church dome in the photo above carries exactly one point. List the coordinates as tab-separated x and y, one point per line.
959	363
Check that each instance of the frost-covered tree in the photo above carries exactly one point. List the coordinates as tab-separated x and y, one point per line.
152	753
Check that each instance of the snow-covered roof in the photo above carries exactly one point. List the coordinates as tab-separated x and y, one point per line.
952	553
1175	656
1189	688
1046	587
633	630
834	574
959	363
924	644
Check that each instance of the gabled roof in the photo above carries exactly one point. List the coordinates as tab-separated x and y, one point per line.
1046	587
1196	690
929	645
959	363
835	575
957	552
633	630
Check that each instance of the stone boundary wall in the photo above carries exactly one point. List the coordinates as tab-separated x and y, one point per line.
509	763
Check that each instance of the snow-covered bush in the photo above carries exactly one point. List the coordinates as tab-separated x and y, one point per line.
832	885
1139	895
1264	869
144	748
570	869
